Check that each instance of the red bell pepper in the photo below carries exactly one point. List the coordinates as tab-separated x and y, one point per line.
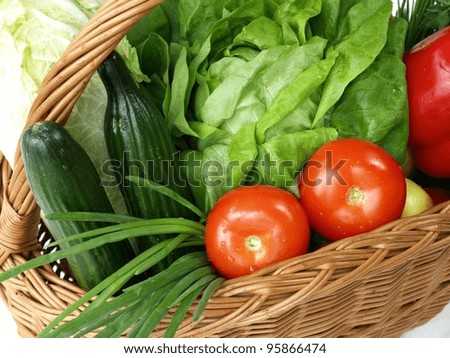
428	79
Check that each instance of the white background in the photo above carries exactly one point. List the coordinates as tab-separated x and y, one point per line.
438	327
7	325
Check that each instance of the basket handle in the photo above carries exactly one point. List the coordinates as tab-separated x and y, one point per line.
54	102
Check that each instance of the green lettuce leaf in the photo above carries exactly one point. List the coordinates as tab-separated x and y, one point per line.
32	40
374	106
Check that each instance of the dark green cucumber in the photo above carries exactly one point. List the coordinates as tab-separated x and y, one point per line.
140	141
62	178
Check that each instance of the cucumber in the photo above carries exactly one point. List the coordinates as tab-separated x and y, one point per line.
62	178
139	140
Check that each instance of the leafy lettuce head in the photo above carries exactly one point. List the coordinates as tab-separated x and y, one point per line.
31	40
261	84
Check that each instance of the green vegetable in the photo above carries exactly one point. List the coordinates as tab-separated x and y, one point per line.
139	143
424	17
137	301
258	86
182	282
62	178
33	36
385	75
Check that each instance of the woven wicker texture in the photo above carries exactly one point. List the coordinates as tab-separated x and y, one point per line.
375	285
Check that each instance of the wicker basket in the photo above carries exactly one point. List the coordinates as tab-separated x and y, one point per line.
379	284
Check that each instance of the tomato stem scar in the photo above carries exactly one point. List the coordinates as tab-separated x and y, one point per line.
253	242
356	196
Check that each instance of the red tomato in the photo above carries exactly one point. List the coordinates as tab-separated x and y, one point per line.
254	226
438	195
351	186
